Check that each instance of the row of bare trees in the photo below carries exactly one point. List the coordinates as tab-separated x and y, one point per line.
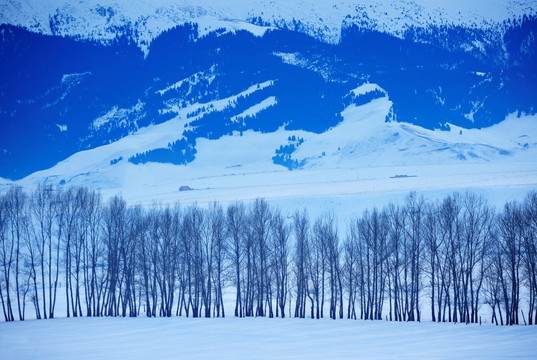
451	257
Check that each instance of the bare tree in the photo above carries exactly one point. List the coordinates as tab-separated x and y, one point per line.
93	254
510	245
192	243
325	232
16	203
69	208
44	213
493	278
529	236
317	269
148	258
217	222
280	260
114	232
301	258
450	227
396	263
260	218
206	251
414	249
477	220
32	246
7	248
351	270
236	232
168	255
373	252
433	243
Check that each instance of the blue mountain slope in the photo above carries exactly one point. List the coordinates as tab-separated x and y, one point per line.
50	82
59	95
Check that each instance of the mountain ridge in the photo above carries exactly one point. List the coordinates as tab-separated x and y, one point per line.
145	20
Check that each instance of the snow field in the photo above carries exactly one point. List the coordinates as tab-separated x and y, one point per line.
259	338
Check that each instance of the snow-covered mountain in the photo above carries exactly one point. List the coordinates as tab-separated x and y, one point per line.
125	96
146	20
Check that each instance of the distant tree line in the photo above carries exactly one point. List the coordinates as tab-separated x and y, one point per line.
452	256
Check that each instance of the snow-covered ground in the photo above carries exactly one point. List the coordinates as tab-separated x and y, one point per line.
260	338
101	19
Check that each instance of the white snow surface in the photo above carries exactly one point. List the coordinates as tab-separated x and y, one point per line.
367	88
100	19
260	338
117	116
255	109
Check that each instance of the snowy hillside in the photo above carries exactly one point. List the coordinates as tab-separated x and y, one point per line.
97	19
342	168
